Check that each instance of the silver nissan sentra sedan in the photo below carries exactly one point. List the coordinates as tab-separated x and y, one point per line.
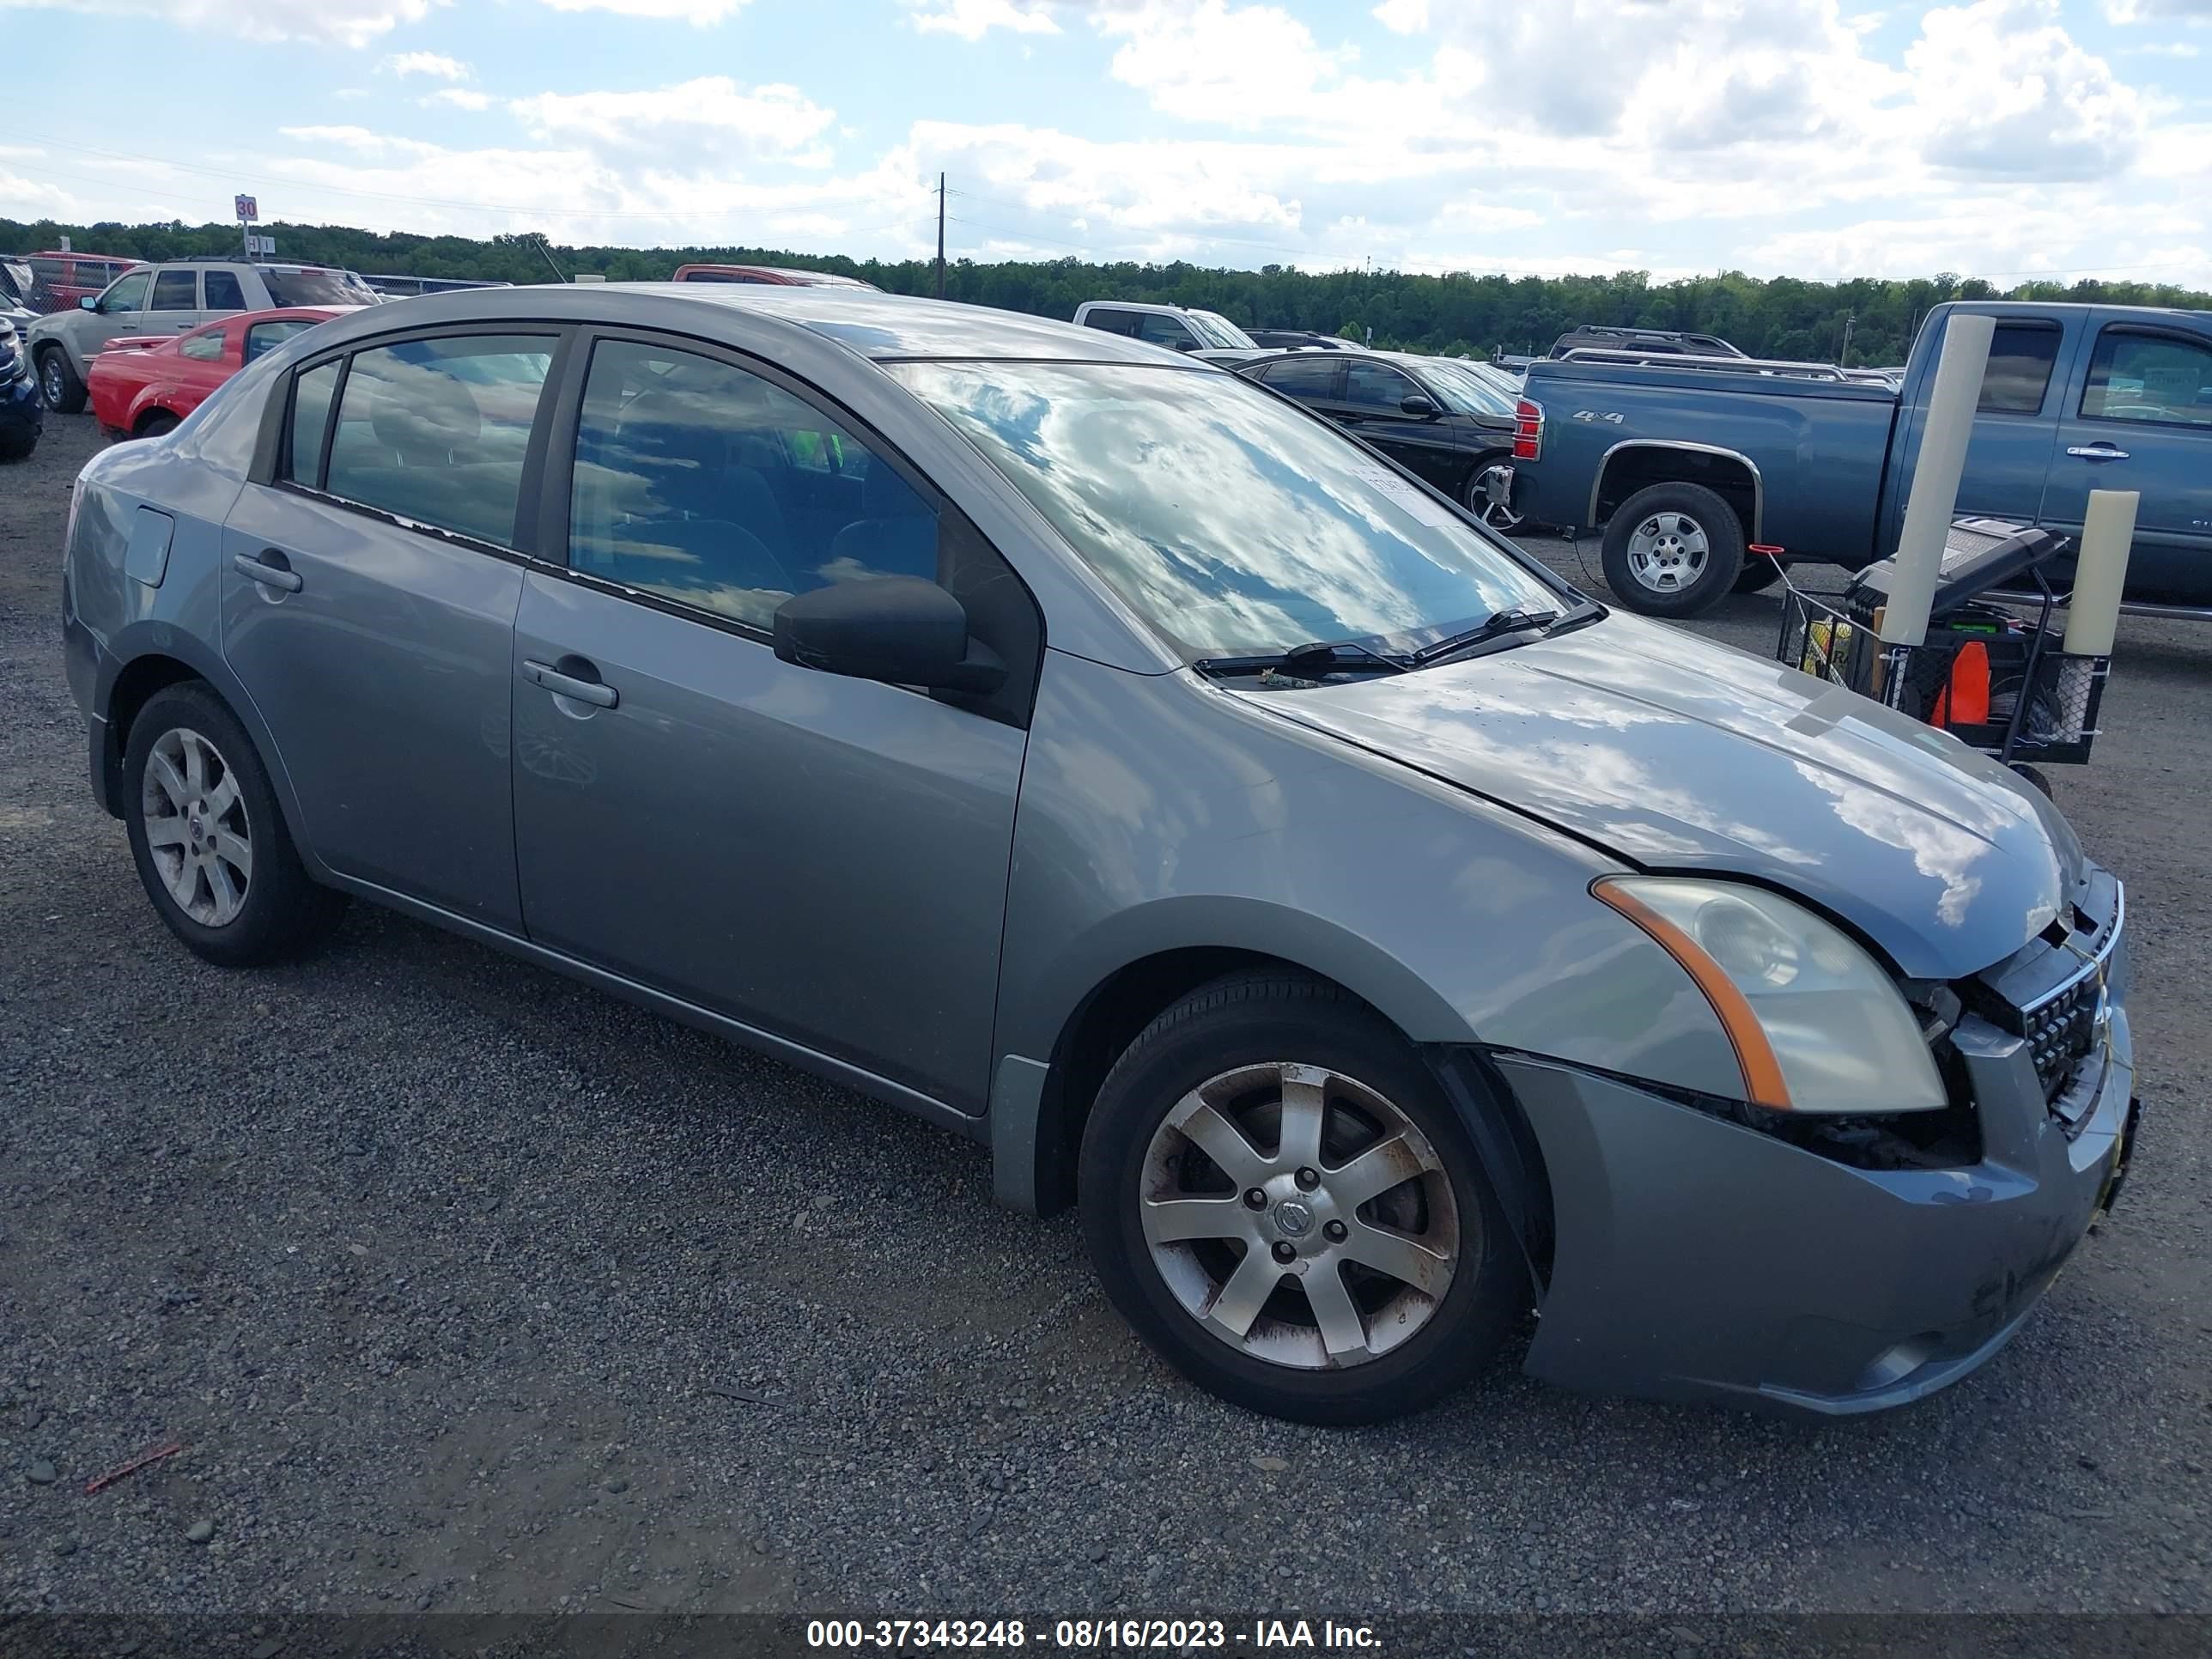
1099	755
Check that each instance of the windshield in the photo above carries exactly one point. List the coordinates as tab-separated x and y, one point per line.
1230	520
1218	332
316	288
1468	393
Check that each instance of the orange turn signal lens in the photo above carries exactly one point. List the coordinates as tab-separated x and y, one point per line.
1763	1082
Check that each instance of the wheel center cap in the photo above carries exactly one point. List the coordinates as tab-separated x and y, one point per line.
1293	1219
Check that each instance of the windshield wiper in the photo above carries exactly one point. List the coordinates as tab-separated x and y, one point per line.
1514	621
1311	664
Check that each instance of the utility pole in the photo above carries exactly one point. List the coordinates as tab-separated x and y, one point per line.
940	236
1845	360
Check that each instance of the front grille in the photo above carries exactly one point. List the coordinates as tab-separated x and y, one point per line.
2052	993
2062	1034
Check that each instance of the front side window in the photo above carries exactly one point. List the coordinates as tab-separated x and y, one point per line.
1376	385
1157	329
311	417
176	290
435	431
267	337
204	346
223	293
1235	524
126	293
2149	377
1114	322
704	483
2021	357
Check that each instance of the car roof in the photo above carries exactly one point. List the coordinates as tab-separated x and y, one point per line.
877	326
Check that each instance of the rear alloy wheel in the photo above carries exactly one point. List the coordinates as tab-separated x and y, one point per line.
1675	549
1280	1200
58	381
209	839
1490	496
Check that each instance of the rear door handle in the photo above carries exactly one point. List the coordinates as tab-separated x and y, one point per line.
2098	452
260	568
598	693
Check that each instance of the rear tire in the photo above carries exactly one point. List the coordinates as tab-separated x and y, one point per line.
210	839
17	446
155	424
1674	550
58	381
1377	1274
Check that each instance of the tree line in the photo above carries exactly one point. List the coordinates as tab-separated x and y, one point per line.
1460	313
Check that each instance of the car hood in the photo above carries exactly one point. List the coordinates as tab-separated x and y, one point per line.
1676	754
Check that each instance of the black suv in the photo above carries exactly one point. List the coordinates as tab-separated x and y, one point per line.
1433	415
1643	339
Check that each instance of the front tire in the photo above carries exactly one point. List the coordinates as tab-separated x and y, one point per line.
209	839
1374	1273
58	381
1490	495
17	446
1675	549
156	423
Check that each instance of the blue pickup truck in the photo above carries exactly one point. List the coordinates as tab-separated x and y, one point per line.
1698	470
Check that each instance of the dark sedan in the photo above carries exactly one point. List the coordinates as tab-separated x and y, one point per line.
1432	415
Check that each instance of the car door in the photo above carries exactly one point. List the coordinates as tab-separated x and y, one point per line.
1311	377
822	859
173	306
203	361
220	293
120	309
369	600
2143	421
1370	403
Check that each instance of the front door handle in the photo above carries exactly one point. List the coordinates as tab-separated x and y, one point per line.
598	693
2099	451
270	569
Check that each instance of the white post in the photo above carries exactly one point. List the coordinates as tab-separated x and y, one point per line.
1936	474
2100	572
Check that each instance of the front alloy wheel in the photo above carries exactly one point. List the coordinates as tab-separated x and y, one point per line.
1281	1201
1299	1216
1490	497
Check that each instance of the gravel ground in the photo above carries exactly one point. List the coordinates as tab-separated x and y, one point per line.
467	1288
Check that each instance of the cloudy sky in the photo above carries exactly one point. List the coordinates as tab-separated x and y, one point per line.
1812	137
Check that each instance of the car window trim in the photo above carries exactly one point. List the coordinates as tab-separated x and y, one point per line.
533	455
2145	330
556	486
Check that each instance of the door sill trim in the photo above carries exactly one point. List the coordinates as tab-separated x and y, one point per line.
856	1078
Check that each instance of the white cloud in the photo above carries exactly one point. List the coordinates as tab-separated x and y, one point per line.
347	22
2145	11
460	98
1213	62
698	12
2007	91
434	65
1403	16
2162	49
973	19
777	121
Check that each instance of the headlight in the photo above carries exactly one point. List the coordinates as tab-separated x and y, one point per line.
1816	1023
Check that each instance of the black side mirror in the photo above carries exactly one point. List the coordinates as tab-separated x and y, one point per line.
900	630
1420	406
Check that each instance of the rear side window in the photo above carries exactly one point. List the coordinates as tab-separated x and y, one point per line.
1311	376
176	290
201	347
435	431
314	288
223	293
2157	378
311	417
704	483
2020	359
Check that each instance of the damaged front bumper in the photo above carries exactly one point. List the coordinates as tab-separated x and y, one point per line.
1694	1258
